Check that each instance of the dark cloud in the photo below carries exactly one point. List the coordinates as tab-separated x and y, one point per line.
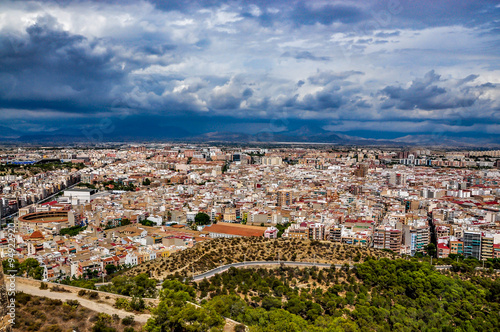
305	14
170	59
305	55
158	49
387	34
425	94
51	68
467	79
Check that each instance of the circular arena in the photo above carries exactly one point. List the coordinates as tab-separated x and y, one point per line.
43	219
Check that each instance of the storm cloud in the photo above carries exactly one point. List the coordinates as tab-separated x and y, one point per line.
333	64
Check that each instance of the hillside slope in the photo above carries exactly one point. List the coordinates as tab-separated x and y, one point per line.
211	254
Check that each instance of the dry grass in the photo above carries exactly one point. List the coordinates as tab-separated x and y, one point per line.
35	313
208	255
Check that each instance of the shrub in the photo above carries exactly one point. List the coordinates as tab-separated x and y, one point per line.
44	286
52	328
129	320
121	303
93	295
137	304
55	302
240	328
82	292
73	303
59	289
23	298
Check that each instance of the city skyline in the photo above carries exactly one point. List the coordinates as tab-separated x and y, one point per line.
373	69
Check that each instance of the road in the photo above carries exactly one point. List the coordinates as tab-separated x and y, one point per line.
92	305
100	306
40	201
223	268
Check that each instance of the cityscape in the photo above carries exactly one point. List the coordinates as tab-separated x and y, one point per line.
84	214
249	166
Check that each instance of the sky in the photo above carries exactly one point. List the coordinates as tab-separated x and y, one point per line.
367	68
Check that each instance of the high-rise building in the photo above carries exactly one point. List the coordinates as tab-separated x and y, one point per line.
486	247
472	244
456	247
317	231
271	161
397	179
387	238
361	171
285	197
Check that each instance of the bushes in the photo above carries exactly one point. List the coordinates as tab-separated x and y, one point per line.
129	320
122	303
43	285
59	289
73	303
137	304
93	295
82	292
22	298
52	328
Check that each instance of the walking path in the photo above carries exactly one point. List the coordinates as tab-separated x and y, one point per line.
92	305
223	268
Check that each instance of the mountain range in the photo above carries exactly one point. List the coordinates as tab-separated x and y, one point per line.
303	134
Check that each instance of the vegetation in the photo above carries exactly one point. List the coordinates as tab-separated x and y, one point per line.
174	313
80	282
33	169
138	286
118	186
202	219
147	222
125	222
87	185
377	295
72	231
48	315
30	267
281	228
208	255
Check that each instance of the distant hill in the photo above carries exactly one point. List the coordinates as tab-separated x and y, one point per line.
150	131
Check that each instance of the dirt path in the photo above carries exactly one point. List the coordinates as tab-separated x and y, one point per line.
92	305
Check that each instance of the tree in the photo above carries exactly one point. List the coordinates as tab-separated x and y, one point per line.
12	265
430	249
110	269
202	219
146	182
29	266
147	222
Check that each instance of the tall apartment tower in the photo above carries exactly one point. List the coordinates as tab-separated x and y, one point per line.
285	197
387	238
472	244
361	171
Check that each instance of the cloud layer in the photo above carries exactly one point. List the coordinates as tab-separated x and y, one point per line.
341	65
